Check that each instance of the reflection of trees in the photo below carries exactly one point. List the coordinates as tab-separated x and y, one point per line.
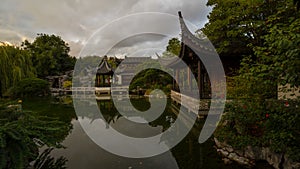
111	114
57	107
109	111
166	119
45	161
90	109
190	154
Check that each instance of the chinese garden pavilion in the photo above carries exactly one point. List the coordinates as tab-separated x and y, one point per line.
194	65
104	74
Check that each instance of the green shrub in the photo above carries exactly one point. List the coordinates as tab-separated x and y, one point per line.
30	87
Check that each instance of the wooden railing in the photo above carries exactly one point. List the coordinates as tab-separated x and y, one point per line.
200	107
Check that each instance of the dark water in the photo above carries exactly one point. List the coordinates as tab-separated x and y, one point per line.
82	153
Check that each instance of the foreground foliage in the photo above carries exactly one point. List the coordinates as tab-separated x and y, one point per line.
22	133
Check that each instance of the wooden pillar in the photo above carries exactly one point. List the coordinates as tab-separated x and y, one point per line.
177	78
103	81
109	78
183	86
199	78
202	83
173	81
189	81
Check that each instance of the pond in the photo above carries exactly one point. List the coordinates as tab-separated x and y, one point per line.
82	153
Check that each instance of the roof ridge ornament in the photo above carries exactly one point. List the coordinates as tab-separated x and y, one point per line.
188	38
179	13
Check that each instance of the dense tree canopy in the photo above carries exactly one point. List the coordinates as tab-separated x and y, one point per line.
278	60
235	26
50	55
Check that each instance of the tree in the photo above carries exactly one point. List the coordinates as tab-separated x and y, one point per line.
15	64
173	48
278	60
235	26
50	55
264	33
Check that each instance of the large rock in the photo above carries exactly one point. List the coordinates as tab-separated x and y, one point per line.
249	153
230	154
272	158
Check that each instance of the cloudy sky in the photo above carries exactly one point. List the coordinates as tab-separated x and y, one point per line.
117	27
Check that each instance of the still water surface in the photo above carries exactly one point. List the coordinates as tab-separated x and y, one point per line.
82	153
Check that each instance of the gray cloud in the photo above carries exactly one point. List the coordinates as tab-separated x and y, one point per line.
143	45
76	20
139	39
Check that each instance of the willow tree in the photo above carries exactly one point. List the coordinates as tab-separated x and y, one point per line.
15	64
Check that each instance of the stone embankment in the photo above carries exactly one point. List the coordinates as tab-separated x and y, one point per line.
250	155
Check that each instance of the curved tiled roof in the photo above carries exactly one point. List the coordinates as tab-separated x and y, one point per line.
189	40
104	68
